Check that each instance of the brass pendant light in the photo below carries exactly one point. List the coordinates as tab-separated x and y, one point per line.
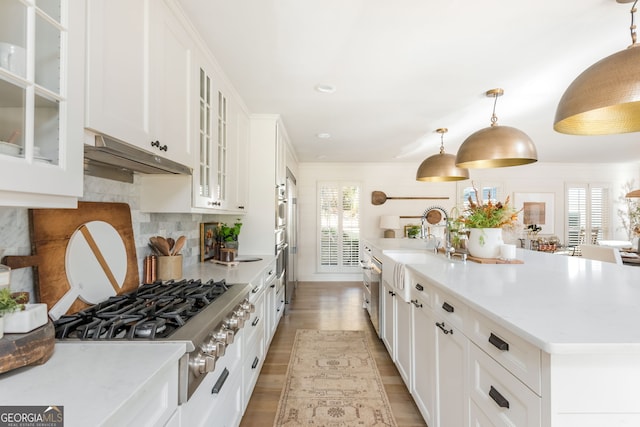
632	194
496	146
605	98
441	167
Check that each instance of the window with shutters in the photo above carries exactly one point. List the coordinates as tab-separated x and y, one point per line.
339	227
486	191
587	214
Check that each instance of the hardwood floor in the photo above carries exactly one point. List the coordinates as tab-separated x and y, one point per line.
324	305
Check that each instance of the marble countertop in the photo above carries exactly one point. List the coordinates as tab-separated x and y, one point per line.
91	380
561	304
244	272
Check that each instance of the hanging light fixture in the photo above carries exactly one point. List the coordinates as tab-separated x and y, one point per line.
605	98
496	146
441	167
633	194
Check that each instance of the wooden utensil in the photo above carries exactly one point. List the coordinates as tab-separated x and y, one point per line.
162	245
171	242
379	197
178	246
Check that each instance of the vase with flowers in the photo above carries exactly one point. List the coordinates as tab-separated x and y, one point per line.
485	221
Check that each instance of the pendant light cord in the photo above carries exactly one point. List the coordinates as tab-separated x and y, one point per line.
633	24
442	143
494	118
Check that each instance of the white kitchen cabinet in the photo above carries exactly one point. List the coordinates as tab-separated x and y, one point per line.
403	339
423	358
266	157
254	343
269	280
41	87
139	76
451	353
220	129
388	318
439	356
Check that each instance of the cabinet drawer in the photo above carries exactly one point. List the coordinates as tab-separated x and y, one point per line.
255	325
500	396
450	309
518	356
269	274
420	289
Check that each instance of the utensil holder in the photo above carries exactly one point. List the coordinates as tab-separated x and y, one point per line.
169	268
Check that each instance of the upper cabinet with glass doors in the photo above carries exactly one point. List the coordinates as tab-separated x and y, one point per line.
41	102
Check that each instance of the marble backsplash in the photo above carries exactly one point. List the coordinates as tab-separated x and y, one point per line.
14	226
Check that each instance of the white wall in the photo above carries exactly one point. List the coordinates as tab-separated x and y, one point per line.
398	179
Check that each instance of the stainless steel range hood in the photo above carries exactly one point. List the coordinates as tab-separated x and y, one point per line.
113	159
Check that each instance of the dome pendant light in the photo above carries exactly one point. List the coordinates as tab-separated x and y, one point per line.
496	146
605	98
441	167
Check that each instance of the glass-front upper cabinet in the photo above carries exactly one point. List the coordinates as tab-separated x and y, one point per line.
38	85
30	63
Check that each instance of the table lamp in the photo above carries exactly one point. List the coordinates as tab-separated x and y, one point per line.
389	223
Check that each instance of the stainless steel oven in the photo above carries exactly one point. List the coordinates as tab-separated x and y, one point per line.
371	282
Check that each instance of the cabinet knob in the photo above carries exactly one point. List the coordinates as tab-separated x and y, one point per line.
442	327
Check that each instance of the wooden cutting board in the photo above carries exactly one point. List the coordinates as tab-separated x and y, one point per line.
82	239
494	260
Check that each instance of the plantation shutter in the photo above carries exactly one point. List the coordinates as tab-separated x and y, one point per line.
588	217
339	227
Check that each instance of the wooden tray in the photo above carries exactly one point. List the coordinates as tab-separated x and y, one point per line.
228	264
494	260
32	348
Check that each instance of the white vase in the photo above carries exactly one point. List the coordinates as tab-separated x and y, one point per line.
485	242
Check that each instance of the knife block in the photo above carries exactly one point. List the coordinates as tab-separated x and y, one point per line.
169	268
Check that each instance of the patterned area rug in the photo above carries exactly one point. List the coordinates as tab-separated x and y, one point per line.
332	381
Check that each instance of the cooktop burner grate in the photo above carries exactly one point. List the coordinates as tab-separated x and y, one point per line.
151	311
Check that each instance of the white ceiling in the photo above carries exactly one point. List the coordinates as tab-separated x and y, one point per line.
404	68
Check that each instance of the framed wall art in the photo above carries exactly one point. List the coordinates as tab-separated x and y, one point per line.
207	240
536	208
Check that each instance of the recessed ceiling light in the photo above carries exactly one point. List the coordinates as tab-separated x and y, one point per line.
323	135
325	88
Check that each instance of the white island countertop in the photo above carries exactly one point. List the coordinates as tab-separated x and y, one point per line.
561	304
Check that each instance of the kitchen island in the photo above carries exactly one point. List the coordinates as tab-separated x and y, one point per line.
550	342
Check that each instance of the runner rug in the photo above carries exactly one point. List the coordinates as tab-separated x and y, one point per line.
332	381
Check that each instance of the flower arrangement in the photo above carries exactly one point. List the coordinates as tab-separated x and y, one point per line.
488	215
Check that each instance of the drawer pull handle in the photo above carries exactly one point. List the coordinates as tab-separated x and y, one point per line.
446	331
255	363
448	307
498	342
498	398
221	380
255	290
416	303
255	321
393	294
419	287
